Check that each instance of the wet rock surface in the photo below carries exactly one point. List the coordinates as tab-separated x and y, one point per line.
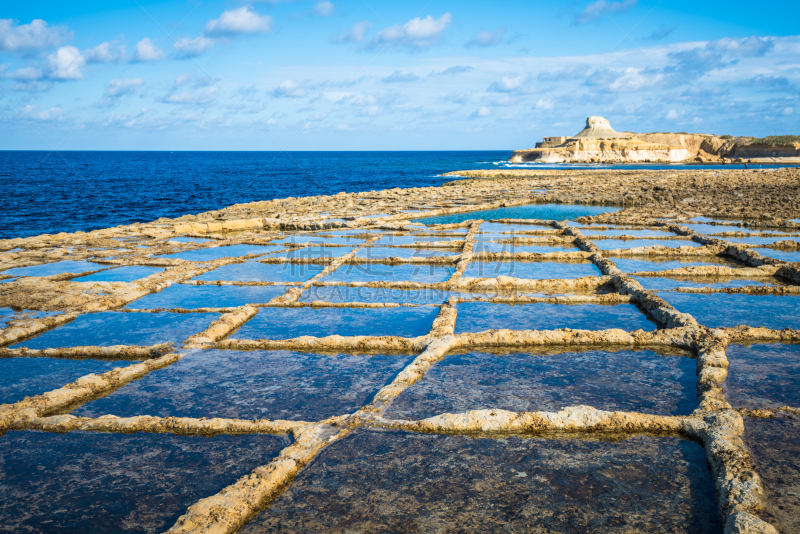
400	482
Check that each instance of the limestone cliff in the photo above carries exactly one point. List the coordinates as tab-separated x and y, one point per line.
599	143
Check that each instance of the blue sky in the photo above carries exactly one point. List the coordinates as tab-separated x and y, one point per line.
367	75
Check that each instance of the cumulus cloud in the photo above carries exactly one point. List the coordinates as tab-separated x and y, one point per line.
355	34
241	21
26	38
30	112
400	77
482	111
545	104
118	88
147	51
416	33
486	38
189	47
104	53
289	89
455	97
513	84
66	64
599	8
718	54
26	74
323	9
203	95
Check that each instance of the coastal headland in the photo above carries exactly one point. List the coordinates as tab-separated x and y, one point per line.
599	143
185	305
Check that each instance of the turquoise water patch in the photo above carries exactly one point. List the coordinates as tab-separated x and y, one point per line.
289	323
634	233
216	253
321	240
633	381
263	272
254	385
118	328
557	212
121	274
723	310
414	240
538	270
377	272
490	227
60	267
666	284
313	253
756	240
207	296
482	316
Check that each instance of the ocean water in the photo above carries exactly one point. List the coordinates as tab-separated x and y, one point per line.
67	191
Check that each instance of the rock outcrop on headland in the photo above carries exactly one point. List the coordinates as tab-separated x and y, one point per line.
599	143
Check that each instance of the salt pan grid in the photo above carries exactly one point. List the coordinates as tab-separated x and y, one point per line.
681	427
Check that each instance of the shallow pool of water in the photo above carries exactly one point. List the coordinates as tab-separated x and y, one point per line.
375	294
635	233
289	323
105	329
207	296
216	253
639	381
377	272
785	255
26	377
491	246
263	272
611	244
111	483
378	253
720	309
254	385
775	448
482	316
128	273
319	239
314	252
394	481
557	212
189	240
421	241
763	376
665	284
539	270
628	265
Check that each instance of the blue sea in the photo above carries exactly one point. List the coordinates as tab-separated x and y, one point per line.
51	192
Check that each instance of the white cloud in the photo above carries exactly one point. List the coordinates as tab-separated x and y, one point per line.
25	38
485	38
454	97
456	69
147	51
788	111
26	74
599	8
545	103
203	95
66	64
240	21
323	9
634	80
355	34
103	53
513	84
482	111
400	77
674	114
289	89
118	88
416	33
48	115
192	47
